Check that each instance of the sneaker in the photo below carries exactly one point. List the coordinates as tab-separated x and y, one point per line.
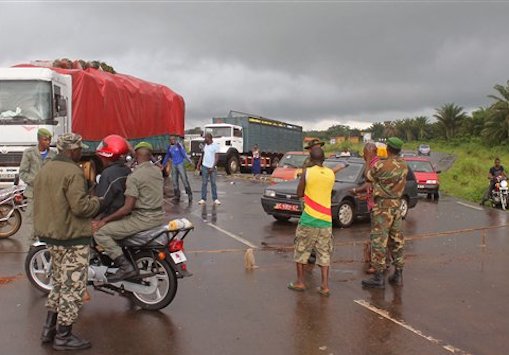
201	202
217	202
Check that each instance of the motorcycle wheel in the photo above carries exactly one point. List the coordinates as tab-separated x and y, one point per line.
166	283
38	268
12	225
503	203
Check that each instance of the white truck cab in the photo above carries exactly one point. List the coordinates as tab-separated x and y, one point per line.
227	136
30	98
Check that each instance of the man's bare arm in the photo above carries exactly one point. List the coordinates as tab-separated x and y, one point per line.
302	184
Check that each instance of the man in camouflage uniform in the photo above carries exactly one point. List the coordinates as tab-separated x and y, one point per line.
63	214
31	162
388	177
142	210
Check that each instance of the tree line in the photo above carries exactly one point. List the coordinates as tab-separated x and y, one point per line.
449	122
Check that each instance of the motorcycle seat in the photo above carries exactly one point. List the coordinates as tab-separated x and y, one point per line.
160	238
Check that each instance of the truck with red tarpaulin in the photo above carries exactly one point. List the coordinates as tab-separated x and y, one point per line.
90	102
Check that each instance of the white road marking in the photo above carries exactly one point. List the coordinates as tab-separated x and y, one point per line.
470	206
234	236
385	314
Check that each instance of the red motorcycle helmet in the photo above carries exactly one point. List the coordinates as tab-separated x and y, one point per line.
112	147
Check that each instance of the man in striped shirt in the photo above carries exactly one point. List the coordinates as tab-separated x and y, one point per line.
315	225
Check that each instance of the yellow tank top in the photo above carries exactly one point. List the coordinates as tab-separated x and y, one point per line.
317	197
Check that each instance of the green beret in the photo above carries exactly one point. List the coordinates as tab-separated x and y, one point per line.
43	132
395	143
145	145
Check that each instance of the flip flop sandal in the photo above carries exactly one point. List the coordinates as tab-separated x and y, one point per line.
292	287
322	292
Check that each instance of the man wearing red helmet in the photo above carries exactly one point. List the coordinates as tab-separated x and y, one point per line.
111	185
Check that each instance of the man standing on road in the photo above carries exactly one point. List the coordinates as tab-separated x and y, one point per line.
315	226
31	162
178	156
495	171
388	177
63	214
142	210
207	164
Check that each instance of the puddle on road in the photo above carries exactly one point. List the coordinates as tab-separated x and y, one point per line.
8	279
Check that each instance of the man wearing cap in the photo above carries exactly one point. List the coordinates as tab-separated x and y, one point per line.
388	178
63	214
31	162
315	142
142	210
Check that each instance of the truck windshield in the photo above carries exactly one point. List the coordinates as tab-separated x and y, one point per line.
218	132
25	101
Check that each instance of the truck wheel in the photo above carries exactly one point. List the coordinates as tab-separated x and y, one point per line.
232	165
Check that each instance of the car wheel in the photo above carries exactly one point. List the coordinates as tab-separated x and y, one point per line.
436	196
281	218
345	214
404	207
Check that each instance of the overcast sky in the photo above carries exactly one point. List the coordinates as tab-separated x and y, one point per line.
310	63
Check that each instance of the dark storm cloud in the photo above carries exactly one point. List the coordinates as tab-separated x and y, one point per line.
305	62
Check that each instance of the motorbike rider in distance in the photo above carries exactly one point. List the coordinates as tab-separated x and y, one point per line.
111	186
496	171
142	210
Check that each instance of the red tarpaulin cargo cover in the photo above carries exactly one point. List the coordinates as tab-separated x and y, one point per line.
105	103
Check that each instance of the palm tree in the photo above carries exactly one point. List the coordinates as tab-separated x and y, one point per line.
390	129
377	130
496	127
450	117
421	126
408	127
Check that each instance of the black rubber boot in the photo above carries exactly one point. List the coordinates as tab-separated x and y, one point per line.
49	329
396	279
377	281
65	340
125	270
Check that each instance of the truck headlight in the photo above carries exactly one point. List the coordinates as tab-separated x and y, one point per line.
270	193
431	182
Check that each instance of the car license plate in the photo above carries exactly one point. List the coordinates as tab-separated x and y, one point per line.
7	176
178	257
287	207
420	186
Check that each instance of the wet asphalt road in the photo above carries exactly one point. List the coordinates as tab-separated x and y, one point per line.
454	297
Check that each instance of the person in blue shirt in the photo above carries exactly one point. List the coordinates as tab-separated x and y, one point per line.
178	156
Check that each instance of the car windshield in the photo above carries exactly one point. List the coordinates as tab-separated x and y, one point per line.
420	166
218	132
294	160
348	174
25	101
424	146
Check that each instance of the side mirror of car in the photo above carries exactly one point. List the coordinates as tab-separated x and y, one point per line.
438	171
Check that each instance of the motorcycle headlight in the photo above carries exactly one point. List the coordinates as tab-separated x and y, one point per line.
431	182
503	183
270	193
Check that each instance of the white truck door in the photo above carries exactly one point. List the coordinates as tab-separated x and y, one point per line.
238	140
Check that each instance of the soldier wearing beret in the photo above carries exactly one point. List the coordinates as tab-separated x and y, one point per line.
31	162
388	178
63	213
142	210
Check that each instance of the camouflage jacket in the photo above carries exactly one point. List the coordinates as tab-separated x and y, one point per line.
31	163
388	177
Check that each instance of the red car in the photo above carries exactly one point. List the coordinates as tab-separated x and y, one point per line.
428	181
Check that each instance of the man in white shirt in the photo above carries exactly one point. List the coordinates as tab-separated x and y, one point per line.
207	164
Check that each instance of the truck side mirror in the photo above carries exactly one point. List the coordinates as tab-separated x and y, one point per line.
61	106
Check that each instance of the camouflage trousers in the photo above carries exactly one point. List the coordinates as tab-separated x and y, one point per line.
69	267
309	238
386	233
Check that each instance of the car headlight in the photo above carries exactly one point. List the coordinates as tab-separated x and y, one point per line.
277	180
270	193
431	182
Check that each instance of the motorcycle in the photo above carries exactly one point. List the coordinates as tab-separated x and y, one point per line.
500	193
12	203
157	255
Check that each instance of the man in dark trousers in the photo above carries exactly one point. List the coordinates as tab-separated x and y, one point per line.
178	156
63	214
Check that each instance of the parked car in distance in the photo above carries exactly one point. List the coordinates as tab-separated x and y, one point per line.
289	166
407	154
281	201
424	149
428	180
